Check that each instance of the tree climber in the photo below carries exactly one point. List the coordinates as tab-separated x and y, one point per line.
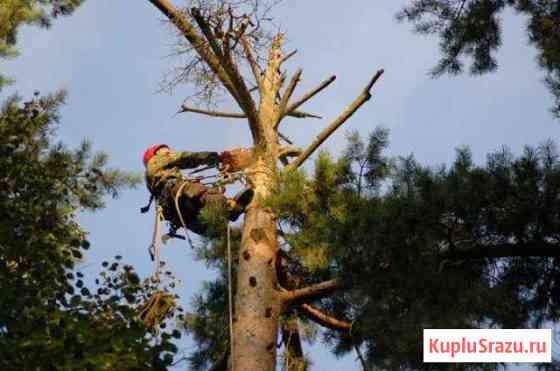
167	184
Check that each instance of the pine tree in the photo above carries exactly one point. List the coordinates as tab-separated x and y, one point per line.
470	30
417	247
225	45
50	317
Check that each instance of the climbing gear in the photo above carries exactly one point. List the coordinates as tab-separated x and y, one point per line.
155	246
160	304
151	152
156	309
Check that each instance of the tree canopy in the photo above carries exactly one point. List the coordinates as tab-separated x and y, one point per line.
471	31
51	315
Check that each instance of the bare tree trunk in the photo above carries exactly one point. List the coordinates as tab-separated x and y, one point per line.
257	304
259	298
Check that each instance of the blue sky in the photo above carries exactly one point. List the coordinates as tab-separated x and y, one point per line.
111	56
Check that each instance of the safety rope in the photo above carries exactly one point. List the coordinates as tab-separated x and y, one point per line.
154	248
180	214
230	296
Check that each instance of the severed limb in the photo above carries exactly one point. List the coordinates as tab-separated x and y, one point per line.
312	292
364	96
324	319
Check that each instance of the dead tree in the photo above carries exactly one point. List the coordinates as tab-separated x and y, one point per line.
222	43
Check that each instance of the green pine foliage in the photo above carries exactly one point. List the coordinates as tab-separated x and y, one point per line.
415	247
51	315
470	30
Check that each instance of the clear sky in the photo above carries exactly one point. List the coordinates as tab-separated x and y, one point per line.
111	56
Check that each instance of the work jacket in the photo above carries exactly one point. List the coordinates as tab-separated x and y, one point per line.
165	166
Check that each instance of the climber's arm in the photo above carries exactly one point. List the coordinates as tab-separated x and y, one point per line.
189	160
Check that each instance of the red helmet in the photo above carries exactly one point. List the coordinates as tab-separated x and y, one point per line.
151	151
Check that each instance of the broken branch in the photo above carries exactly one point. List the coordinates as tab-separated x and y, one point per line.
232	115
285	138
361	99
310	292
303	115
235	115
324	319
310	95
289	91
286	57
257	72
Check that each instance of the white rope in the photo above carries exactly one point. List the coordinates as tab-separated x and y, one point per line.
178	209
230	296
156	239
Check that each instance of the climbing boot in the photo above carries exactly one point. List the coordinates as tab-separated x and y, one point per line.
239	203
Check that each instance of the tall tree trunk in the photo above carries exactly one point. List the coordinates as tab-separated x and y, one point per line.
258	304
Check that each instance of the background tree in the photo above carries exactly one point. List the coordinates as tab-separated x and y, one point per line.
49	318
416	247
470	30
16	13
